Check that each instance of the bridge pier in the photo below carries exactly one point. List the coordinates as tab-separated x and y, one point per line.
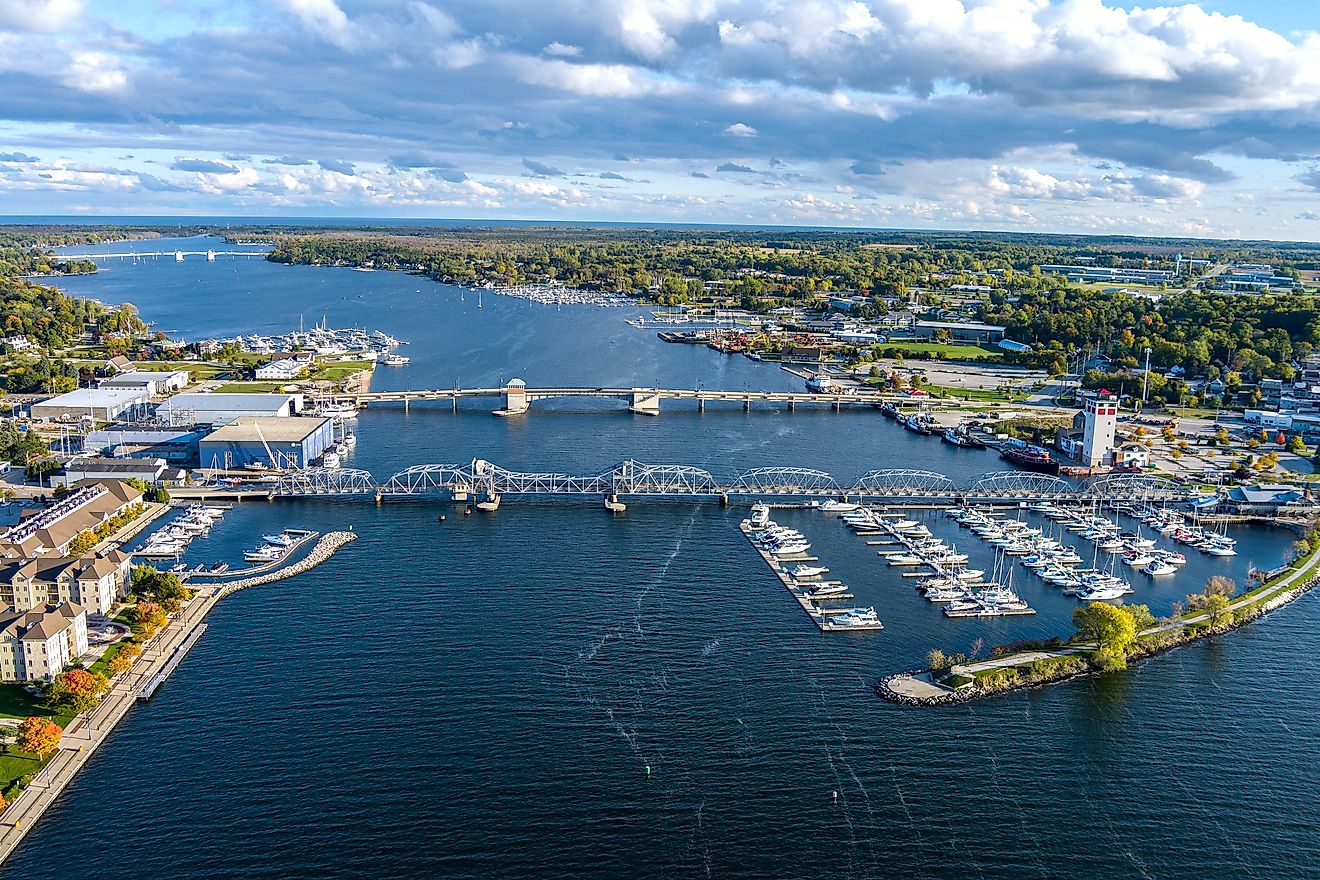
614	505
747	405
515	399
790	406
646	403
701	404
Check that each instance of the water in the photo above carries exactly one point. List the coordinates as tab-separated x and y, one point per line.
480	697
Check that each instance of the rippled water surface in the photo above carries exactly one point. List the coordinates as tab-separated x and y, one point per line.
481	697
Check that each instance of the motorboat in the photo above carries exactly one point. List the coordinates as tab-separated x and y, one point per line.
395	360
264	554
1101	593
330	460
1159	569
824	591
1138	559
760	517
860	618
833	506
808	571
280	540
904	559
791	549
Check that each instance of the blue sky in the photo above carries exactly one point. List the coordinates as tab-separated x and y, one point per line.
1065	115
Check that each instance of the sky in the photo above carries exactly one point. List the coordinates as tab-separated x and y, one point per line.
1033	115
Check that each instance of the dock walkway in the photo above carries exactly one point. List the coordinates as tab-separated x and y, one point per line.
818	615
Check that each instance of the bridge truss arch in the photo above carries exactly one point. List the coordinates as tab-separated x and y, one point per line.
635	478
1134	487
785	480
326	481
427	479
898	482
1021	484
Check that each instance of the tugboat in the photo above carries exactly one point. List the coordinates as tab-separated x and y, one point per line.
821	383
1030	457
962	438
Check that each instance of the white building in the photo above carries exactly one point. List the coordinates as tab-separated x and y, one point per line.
282	370
37	645
196	408
99	404
1101	421
152	383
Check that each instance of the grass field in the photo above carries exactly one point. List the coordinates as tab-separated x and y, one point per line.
338	372
15	702
249	388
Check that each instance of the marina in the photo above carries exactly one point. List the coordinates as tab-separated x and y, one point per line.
776	547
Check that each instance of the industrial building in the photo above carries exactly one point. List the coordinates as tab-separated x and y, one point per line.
1113	274
99	404
152	383
176	445
197	408
958	332
153	470
282	369
270	441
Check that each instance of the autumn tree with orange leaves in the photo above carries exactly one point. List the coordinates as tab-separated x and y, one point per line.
39	736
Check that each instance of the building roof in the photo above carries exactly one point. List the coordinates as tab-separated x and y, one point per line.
39	624
244	430
957	325
213	402
122	468
95	397
142	376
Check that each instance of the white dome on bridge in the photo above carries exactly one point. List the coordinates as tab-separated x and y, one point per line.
516	383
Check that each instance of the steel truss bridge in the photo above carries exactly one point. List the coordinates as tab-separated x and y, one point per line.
635	480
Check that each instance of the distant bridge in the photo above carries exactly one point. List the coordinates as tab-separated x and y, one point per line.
517	397
177	255
483	481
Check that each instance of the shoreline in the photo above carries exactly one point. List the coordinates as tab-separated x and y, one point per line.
160	654
919	688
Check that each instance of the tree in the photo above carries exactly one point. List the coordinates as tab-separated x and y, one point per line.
1215	607
937	659
38	736
119	664
1112	629
1219	585
76	691
83	543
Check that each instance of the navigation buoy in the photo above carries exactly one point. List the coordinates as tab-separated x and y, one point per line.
835	794
648	769
467	511
441	517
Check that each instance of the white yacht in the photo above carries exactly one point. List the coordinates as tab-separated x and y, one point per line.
808	571
859	618
792	548
760	517
331	460
280	540
395	360
833	506
824	591
263	554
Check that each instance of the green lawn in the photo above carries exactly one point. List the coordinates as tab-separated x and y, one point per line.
110	654
951	351
339	371
15	702
249	388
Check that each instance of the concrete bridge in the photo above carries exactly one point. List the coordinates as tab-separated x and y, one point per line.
486	483
177	255
517	398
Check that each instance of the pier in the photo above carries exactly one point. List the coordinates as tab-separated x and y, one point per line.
819	616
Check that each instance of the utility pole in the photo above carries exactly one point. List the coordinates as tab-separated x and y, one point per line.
1145	379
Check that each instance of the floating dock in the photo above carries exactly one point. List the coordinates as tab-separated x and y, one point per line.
818	615
156	680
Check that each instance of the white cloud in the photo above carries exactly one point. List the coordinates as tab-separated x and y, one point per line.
41	16
741	129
